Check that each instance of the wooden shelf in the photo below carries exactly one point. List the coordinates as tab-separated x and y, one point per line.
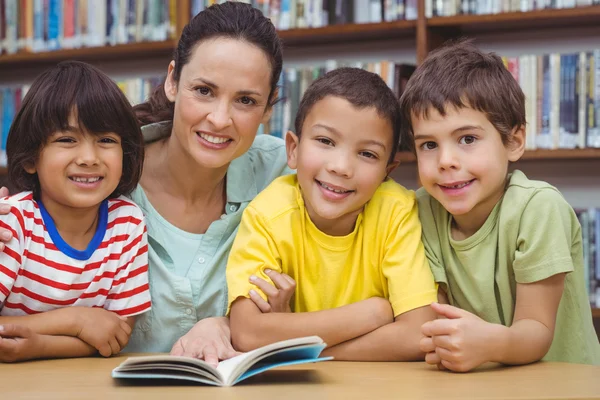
595	312
550	18
560	154
129	51
348	33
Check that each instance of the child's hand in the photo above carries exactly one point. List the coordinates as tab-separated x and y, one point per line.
278	296
104	330
18	343
460	342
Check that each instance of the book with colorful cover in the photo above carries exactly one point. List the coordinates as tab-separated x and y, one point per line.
229	372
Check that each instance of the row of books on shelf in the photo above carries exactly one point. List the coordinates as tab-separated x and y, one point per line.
590	233
46	25
449	8
292	14
137	91
562	94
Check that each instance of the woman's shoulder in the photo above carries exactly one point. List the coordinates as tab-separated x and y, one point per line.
263	162
122	206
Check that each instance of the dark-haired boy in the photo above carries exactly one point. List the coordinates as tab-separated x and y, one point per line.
337	238
505	250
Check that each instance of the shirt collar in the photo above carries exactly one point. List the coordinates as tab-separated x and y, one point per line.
241	179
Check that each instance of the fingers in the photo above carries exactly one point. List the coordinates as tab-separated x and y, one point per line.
426	345
13	330
209	354
439	327
443	341
281	281
105	350
122	339
177	349
265	286
433	358
126	327
263	305
114	346
448	311
4	192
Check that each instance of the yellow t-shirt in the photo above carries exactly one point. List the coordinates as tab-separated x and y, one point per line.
382	257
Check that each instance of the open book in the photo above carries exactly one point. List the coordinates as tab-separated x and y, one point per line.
229	372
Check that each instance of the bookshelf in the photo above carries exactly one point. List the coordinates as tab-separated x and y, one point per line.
89	54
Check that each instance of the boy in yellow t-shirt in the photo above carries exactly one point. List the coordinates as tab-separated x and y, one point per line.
345	237
505	250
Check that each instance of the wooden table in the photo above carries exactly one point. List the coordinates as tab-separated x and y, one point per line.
89	378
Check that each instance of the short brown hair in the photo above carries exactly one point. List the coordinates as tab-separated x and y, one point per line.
461	75
362	89
101	107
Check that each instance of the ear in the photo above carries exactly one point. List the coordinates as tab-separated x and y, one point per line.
516	146
392	166
170	84
30	168
291	147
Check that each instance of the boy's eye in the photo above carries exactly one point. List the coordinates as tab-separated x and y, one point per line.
368	154
65	139
247	100
428	146
467	139
108	140
326	141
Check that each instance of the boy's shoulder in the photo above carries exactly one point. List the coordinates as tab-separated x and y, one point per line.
281	196
123	207
22	201
524	193
390	200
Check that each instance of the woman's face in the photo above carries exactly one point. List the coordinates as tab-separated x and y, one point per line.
220	100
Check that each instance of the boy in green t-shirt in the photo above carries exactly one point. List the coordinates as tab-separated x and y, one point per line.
505	250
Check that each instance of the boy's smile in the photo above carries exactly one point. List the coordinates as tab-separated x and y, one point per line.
463	163
341	158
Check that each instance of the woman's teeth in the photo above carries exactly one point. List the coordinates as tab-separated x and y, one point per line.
213	139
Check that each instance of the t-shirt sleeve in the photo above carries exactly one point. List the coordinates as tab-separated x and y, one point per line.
430	238
545	238
253	251
130	292
10	256
409	278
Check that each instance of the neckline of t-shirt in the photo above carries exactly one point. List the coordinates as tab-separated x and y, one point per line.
63	246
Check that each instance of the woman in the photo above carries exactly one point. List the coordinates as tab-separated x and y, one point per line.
203	165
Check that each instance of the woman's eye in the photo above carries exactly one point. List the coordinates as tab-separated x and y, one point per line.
428	146
108	140
247	100
204	91
65	140
467	140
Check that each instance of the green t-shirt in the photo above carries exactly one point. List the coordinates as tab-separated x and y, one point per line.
530	235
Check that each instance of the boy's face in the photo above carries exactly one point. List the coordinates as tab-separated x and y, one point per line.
77	169
341	159
463	163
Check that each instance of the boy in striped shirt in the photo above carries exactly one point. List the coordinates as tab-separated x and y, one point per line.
75	273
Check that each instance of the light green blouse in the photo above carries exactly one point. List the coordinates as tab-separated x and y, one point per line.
184	294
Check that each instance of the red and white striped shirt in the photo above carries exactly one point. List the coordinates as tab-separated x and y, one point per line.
40	272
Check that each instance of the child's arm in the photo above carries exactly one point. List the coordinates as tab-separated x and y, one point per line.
548	230
462	341
250	328
398	341
411	289
19	343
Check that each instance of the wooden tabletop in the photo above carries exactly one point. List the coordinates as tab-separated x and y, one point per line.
89	378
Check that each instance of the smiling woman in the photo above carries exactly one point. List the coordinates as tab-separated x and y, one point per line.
204	165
